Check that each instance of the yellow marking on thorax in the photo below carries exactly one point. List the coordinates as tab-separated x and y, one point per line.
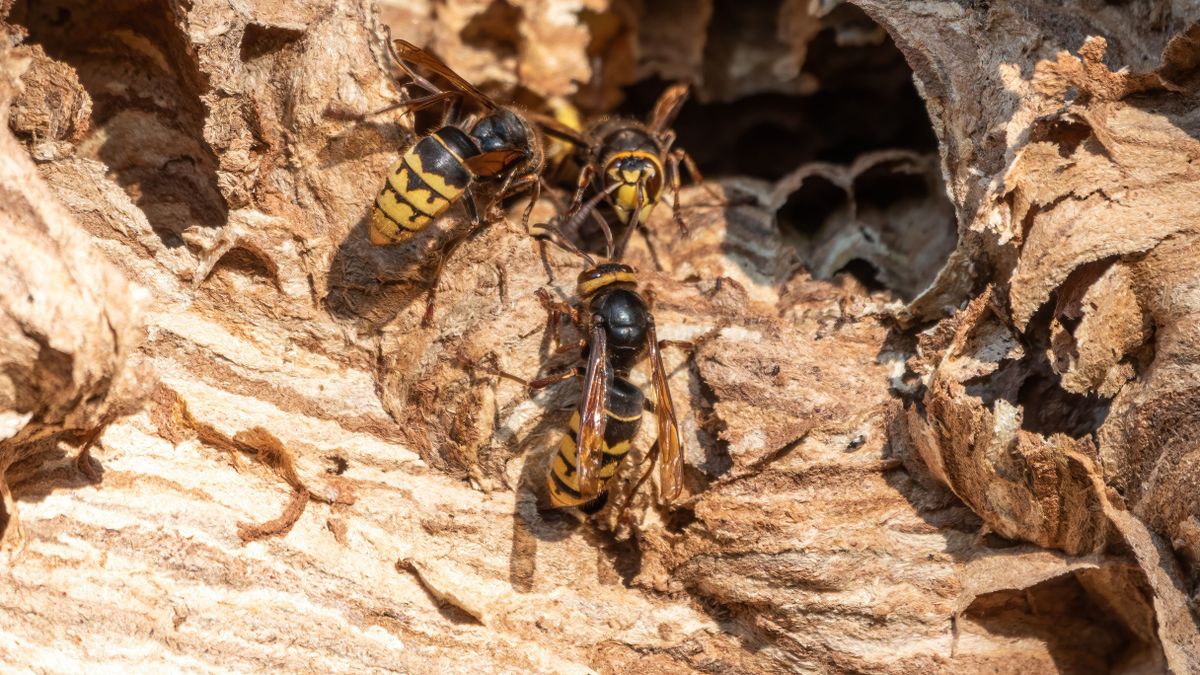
590	286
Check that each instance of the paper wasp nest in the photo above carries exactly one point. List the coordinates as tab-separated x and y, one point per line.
944	418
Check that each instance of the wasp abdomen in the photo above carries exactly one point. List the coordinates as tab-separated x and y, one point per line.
422	185
623	408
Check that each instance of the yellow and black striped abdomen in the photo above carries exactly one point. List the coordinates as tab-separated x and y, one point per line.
624	412
422	185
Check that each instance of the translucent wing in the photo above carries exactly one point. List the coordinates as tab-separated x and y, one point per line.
592	418
555	129
670	459
407	51
492	163
667	107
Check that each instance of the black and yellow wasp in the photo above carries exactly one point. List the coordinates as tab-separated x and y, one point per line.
441	168
618	332
631	163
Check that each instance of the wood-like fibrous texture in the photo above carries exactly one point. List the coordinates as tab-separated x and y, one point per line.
941	416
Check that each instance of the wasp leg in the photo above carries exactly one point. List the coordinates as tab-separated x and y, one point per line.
543	382
673	178
586	174
554	310
697	177
634	220
476	226
695	343
475	365
556	306
472	209
535	194
580	210
431	296
638	485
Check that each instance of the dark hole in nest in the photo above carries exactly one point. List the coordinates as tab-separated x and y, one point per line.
495	29
678	520
807	209
1048	407
864	272
1070	615
883	185
866	101
146	101
258	41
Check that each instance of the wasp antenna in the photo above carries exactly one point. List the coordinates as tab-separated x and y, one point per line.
560	240
587	207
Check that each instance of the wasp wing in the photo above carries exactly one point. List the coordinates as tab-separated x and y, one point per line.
492	163
592	417
555	129
667	107
407	51
670	459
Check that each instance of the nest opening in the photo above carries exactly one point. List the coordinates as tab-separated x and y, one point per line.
852	147
147	122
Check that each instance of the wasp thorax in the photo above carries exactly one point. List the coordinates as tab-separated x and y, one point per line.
501	129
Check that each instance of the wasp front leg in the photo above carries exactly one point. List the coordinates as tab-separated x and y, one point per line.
673	178
586	175
697	178
556	309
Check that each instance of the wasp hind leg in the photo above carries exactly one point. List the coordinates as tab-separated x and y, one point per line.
476	225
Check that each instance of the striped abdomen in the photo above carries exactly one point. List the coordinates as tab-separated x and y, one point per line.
624	411
422	185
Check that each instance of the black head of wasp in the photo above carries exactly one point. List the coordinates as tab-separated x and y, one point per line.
442	167
631	163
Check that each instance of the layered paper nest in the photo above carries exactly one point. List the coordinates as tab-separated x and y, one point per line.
945	420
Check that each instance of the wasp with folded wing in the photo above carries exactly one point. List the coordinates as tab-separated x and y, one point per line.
631	163
618	331
441	168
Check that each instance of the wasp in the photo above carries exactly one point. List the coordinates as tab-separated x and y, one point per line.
618	331
632	162
442	168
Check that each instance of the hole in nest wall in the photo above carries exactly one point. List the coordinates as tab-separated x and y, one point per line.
876	208
147	118
865	100
495	29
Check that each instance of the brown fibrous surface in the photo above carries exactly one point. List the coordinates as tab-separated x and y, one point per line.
941	415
